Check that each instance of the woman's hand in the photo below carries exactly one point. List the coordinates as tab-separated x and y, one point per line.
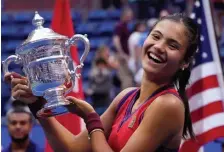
79	107
20	88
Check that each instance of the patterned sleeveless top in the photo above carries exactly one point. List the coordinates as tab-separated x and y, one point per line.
126	121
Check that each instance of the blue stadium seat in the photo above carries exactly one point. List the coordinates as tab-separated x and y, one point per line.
23	16
97	15
5	55
27	30
2	79
3	47
114	14
80	46
85	86
9	30
47	15
87	28
6	90
76	16
97	42
85	74
12	45
107	28
47	25
16	31
20	30
89	58
6	18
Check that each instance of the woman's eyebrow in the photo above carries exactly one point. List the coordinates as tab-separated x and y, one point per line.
156	31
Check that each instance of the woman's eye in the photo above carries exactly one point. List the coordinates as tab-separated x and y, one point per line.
173	46
155	37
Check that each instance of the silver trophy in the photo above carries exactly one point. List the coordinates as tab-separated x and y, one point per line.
46	61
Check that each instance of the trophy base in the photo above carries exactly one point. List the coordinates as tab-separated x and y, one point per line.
53	109
56	103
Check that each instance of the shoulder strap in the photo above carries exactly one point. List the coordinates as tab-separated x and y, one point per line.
174	92
169	91
122	101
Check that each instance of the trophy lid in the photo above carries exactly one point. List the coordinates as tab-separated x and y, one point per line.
40	32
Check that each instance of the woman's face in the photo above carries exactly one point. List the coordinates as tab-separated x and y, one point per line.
164	49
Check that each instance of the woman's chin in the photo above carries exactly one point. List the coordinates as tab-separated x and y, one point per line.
150	70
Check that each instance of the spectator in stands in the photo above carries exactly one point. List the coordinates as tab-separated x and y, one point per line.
100	85
105	53
134	62
112	64
122	33
120	40
163	12
19	122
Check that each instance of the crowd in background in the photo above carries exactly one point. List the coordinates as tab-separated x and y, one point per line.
118	66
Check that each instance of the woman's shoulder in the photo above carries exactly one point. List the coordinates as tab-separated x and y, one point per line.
169	110
122	94
169	99
169	103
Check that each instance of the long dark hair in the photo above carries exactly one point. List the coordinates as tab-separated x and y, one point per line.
181	77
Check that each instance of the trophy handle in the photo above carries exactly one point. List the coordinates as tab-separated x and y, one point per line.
71	42
6	62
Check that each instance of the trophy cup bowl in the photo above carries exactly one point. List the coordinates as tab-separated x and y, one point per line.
45	58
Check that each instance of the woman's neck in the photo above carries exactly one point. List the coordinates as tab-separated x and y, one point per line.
148	87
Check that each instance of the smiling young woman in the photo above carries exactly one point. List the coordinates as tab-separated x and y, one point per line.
153	117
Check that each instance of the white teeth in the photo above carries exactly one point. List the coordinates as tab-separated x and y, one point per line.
155	57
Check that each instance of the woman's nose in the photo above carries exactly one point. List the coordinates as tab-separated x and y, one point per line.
160	46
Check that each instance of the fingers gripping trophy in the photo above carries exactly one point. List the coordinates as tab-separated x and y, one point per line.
46	61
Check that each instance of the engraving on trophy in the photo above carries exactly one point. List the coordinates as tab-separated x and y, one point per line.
44	51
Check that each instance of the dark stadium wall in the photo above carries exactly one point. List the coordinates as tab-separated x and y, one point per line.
19	5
